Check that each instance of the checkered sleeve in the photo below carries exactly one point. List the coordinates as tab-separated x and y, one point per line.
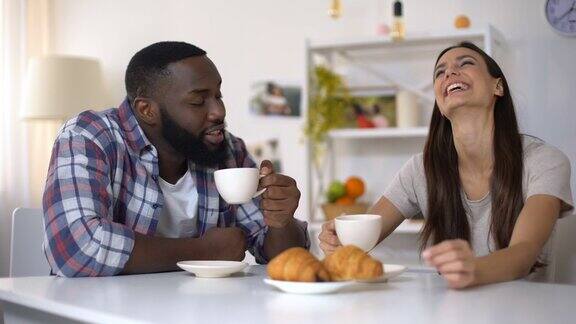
80	237
249	216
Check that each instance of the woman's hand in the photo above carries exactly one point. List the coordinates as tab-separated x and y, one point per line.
455	261
328	239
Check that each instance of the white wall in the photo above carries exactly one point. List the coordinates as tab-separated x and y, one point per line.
252	40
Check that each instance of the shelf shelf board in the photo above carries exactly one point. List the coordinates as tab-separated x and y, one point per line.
366	133
410	41
407	227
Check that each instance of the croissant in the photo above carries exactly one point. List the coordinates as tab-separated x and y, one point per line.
297	264
350	262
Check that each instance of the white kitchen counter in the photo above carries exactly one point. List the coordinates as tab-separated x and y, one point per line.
414	297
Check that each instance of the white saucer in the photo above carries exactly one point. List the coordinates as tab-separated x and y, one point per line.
390	271
296	287
212	269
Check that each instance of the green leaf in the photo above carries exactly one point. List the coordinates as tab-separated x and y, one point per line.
329	101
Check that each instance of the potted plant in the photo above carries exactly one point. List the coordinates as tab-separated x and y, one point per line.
329	100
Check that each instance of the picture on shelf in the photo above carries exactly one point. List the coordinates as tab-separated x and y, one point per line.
370	111
271	98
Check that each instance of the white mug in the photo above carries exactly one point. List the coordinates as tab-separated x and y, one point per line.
238	185
362	230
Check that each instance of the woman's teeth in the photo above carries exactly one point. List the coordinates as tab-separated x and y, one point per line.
456	87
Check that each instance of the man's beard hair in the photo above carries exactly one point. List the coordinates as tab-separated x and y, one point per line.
189	145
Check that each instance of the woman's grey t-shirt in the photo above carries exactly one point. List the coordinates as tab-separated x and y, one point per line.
546	171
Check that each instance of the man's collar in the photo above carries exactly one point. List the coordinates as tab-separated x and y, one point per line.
134	133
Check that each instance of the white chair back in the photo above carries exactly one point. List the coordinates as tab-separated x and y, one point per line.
565	252
26	254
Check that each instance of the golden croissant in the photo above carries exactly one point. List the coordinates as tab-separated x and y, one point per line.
350	262
297	264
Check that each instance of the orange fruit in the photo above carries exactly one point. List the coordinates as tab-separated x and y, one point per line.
345	201
462	21
354	187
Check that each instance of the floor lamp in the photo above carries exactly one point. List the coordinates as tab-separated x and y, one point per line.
57	88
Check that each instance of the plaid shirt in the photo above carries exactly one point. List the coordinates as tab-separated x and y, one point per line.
102	186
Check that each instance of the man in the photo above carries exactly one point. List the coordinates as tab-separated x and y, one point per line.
131	190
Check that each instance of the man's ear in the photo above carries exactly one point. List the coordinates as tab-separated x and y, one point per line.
499	91
146	110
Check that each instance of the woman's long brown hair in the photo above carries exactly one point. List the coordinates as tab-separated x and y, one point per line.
446	214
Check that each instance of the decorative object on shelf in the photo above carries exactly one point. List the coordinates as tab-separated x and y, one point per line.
462	22
362	121
398	28
329	100
335	10
355	187
407	110
345	193
335	191
342	198
369	111
272	98
382	28
379	120
332	211
561	15
328	103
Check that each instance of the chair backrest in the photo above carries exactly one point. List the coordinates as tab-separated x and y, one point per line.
565	251
26	255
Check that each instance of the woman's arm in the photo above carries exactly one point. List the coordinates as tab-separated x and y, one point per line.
458	265
391	218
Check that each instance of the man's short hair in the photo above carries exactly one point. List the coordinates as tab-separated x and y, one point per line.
149	66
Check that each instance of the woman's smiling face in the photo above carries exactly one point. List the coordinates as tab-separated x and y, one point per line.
461	78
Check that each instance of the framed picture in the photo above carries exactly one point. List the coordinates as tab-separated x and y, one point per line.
272	98
374	110
266	150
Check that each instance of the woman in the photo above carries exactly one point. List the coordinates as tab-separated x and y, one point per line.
494	195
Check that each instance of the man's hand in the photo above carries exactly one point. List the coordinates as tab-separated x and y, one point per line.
227	243
455	261
280	200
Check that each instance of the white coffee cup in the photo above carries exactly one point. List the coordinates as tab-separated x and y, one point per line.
238	185
362	230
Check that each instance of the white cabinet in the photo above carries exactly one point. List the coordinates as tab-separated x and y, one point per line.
374	66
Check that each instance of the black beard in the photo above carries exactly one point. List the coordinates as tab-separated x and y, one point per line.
189	145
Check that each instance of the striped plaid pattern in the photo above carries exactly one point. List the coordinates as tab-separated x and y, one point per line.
102	186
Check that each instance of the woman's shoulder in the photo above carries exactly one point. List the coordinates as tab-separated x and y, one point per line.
547	171
417	159
414	166
537	151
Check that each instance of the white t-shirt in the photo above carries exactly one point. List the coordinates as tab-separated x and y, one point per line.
179	214
546	171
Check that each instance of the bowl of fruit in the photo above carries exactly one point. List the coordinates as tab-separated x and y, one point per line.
342	198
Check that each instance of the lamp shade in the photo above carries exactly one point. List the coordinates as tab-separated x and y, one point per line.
59	87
